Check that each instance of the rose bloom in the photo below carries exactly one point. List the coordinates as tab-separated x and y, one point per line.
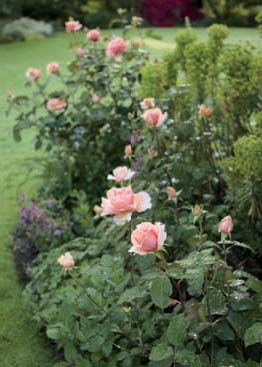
66	261
116	47
56	105
122	202
147	103
53	68
226	225
93	35
121	174
128	150
73	26
95	98
171	192
148	238
205	111
80	52
154	117
33	73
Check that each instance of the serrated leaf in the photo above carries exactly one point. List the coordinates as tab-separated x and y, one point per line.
160	291
253	335
161	352
177	330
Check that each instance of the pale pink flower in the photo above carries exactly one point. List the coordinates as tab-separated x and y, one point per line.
122	202
226	225
73	26
33	73
148	238
80	52
93	35
171	192
56	105
121	174
205	111
154	117
147	103
66	261
95	98
53	68
116	47
128	150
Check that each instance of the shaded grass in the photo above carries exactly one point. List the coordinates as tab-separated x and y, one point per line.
20	343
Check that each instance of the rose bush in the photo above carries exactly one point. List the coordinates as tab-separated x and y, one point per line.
162	273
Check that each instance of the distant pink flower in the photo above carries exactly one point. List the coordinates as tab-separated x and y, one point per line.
56	105
226	225
122	202
154	117
80	52
148	238
66	261
53	68
95	98
93	35
121	174
205	111
171	192
147	103
116	47
33	73
73	26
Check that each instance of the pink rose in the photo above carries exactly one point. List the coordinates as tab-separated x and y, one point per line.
33	73
205	111
226	225
80	52
154	117
148	238
73	26
121	174
66	261
93	35
128	150
147	103
122	202
95	98
53	68
56	105
171	192
116	47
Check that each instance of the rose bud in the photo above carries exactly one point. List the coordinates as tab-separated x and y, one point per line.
226	225
205	111
171	192
66	261
128	150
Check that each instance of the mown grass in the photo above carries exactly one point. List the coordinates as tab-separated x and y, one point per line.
20	343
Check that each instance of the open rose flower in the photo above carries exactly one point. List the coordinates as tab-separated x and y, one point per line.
154	117
56	105
122	202
66	261
121	174
53	68
73	26
148	238
147	103
116	47
93	35
33	73
205	111
226	225
80	52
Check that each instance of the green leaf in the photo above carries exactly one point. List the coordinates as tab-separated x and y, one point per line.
130	294
177	330
195	279
161	352
253	335
215	302
160	291
53	333
16	134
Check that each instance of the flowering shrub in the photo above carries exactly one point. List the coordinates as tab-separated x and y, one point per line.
161	275
84	122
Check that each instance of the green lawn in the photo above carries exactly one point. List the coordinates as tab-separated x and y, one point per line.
20	343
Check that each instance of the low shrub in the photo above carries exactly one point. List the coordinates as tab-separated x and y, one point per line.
26	28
